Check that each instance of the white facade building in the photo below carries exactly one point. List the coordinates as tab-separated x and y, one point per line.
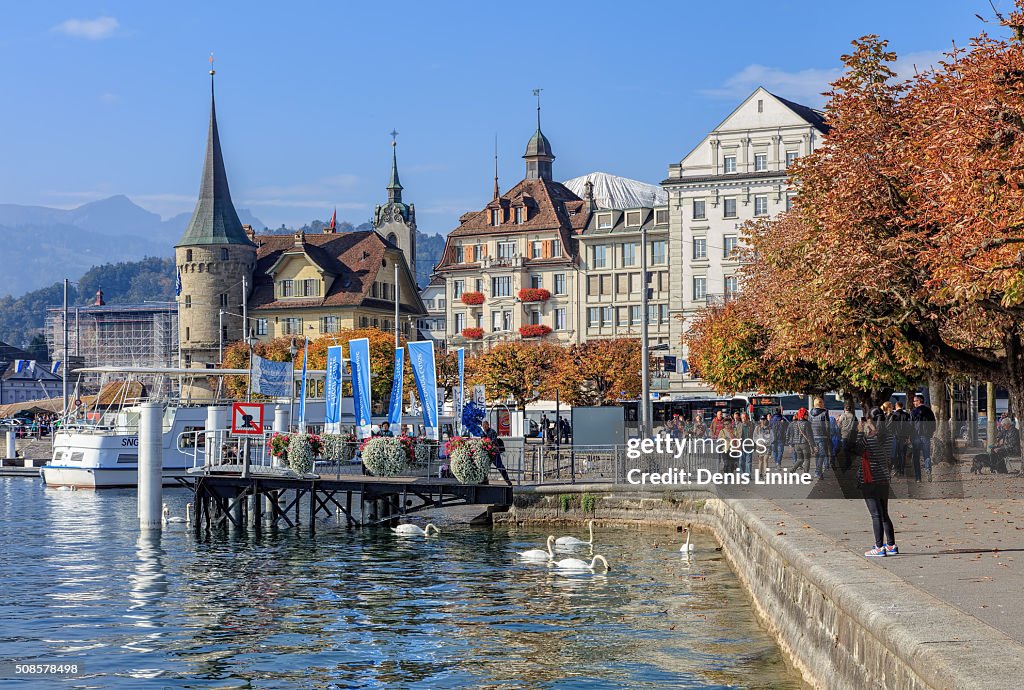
737	173
432	326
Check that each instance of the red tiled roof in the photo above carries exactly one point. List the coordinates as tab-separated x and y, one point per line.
551	206
353	257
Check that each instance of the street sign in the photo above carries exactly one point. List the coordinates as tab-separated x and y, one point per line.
247	419
670	363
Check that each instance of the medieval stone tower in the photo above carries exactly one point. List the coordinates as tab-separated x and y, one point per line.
215	259
396	220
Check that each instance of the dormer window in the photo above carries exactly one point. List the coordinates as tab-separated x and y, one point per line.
496	217
287	288
520	215
604	221
633	218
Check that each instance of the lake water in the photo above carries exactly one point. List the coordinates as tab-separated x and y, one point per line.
360	608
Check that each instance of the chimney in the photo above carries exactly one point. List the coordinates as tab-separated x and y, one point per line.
99	299
588	195
250	233
300	238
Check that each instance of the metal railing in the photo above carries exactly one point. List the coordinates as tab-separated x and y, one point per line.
611	464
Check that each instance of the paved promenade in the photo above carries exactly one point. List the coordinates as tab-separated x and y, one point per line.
967	552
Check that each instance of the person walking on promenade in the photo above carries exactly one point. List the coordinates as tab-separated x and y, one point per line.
922	423
873	477
899	427
763	440
725	439
699	429
745	432
385	430
800	438
821	432
717	424
848	431
499	447
780	429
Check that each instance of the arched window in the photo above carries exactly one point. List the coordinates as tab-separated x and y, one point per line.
223	253
188	255
393	238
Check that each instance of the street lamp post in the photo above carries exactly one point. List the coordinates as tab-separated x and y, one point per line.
645	389
293	351
251	342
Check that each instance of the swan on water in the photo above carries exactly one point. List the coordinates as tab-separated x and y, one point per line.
539	554
687	547
415	530
573	541
177	520
577	564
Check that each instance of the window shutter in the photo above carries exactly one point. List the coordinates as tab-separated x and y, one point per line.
546	253
470	254
483	250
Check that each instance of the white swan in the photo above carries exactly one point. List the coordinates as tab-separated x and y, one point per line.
415	530
178	520
686	548
539	554
577	564
573	541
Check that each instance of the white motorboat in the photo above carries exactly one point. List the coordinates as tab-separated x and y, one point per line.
106	454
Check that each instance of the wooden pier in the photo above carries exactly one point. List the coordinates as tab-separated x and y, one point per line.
229	500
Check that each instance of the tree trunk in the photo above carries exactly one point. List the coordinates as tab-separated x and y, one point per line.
942	442
1015	380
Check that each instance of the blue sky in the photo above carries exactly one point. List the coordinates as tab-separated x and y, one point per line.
111	98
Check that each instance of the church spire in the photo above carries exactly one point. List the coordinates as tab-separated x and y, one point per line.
538	154
394	186
214	220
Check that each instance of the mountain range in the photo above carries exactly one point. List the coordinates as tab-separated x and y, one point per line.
43	245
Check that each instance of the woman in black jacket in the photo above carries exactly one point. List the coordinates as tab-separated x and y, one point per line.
873	477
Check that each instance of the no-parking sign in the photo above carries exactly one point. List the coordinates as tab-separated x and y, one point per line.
247	419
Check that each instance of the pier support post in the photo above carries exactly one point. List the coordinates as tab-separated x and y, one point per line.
151	461
12	444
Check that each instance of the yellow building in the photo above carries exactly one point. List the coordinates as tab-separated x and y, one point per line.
319	284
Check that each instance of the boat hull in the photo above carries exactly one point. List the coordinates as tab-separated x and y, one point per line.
99	478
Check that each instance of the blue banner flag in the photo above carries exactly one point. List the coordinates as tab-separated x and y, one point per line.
54	367
424	369
20	365
359	359
177	284
332	394
302	389
395	405
271	378
462	385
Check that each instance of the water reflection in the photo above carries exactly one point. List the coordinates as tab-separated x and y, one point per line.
282	609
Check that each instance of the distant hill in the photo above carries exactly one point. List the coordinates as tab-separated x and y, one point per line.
429	249
44	244
124	282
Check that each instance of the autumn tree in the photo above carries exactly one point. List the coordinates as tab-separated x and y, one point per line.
598	372
516	370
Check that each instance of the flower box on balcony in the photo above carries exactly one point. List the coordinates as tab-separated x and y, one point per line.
534	330
473	299
473	333
534	295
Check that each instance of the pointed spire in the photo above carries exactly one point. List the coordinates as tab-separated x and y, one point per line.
497	190
394	186
539	155
214	220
